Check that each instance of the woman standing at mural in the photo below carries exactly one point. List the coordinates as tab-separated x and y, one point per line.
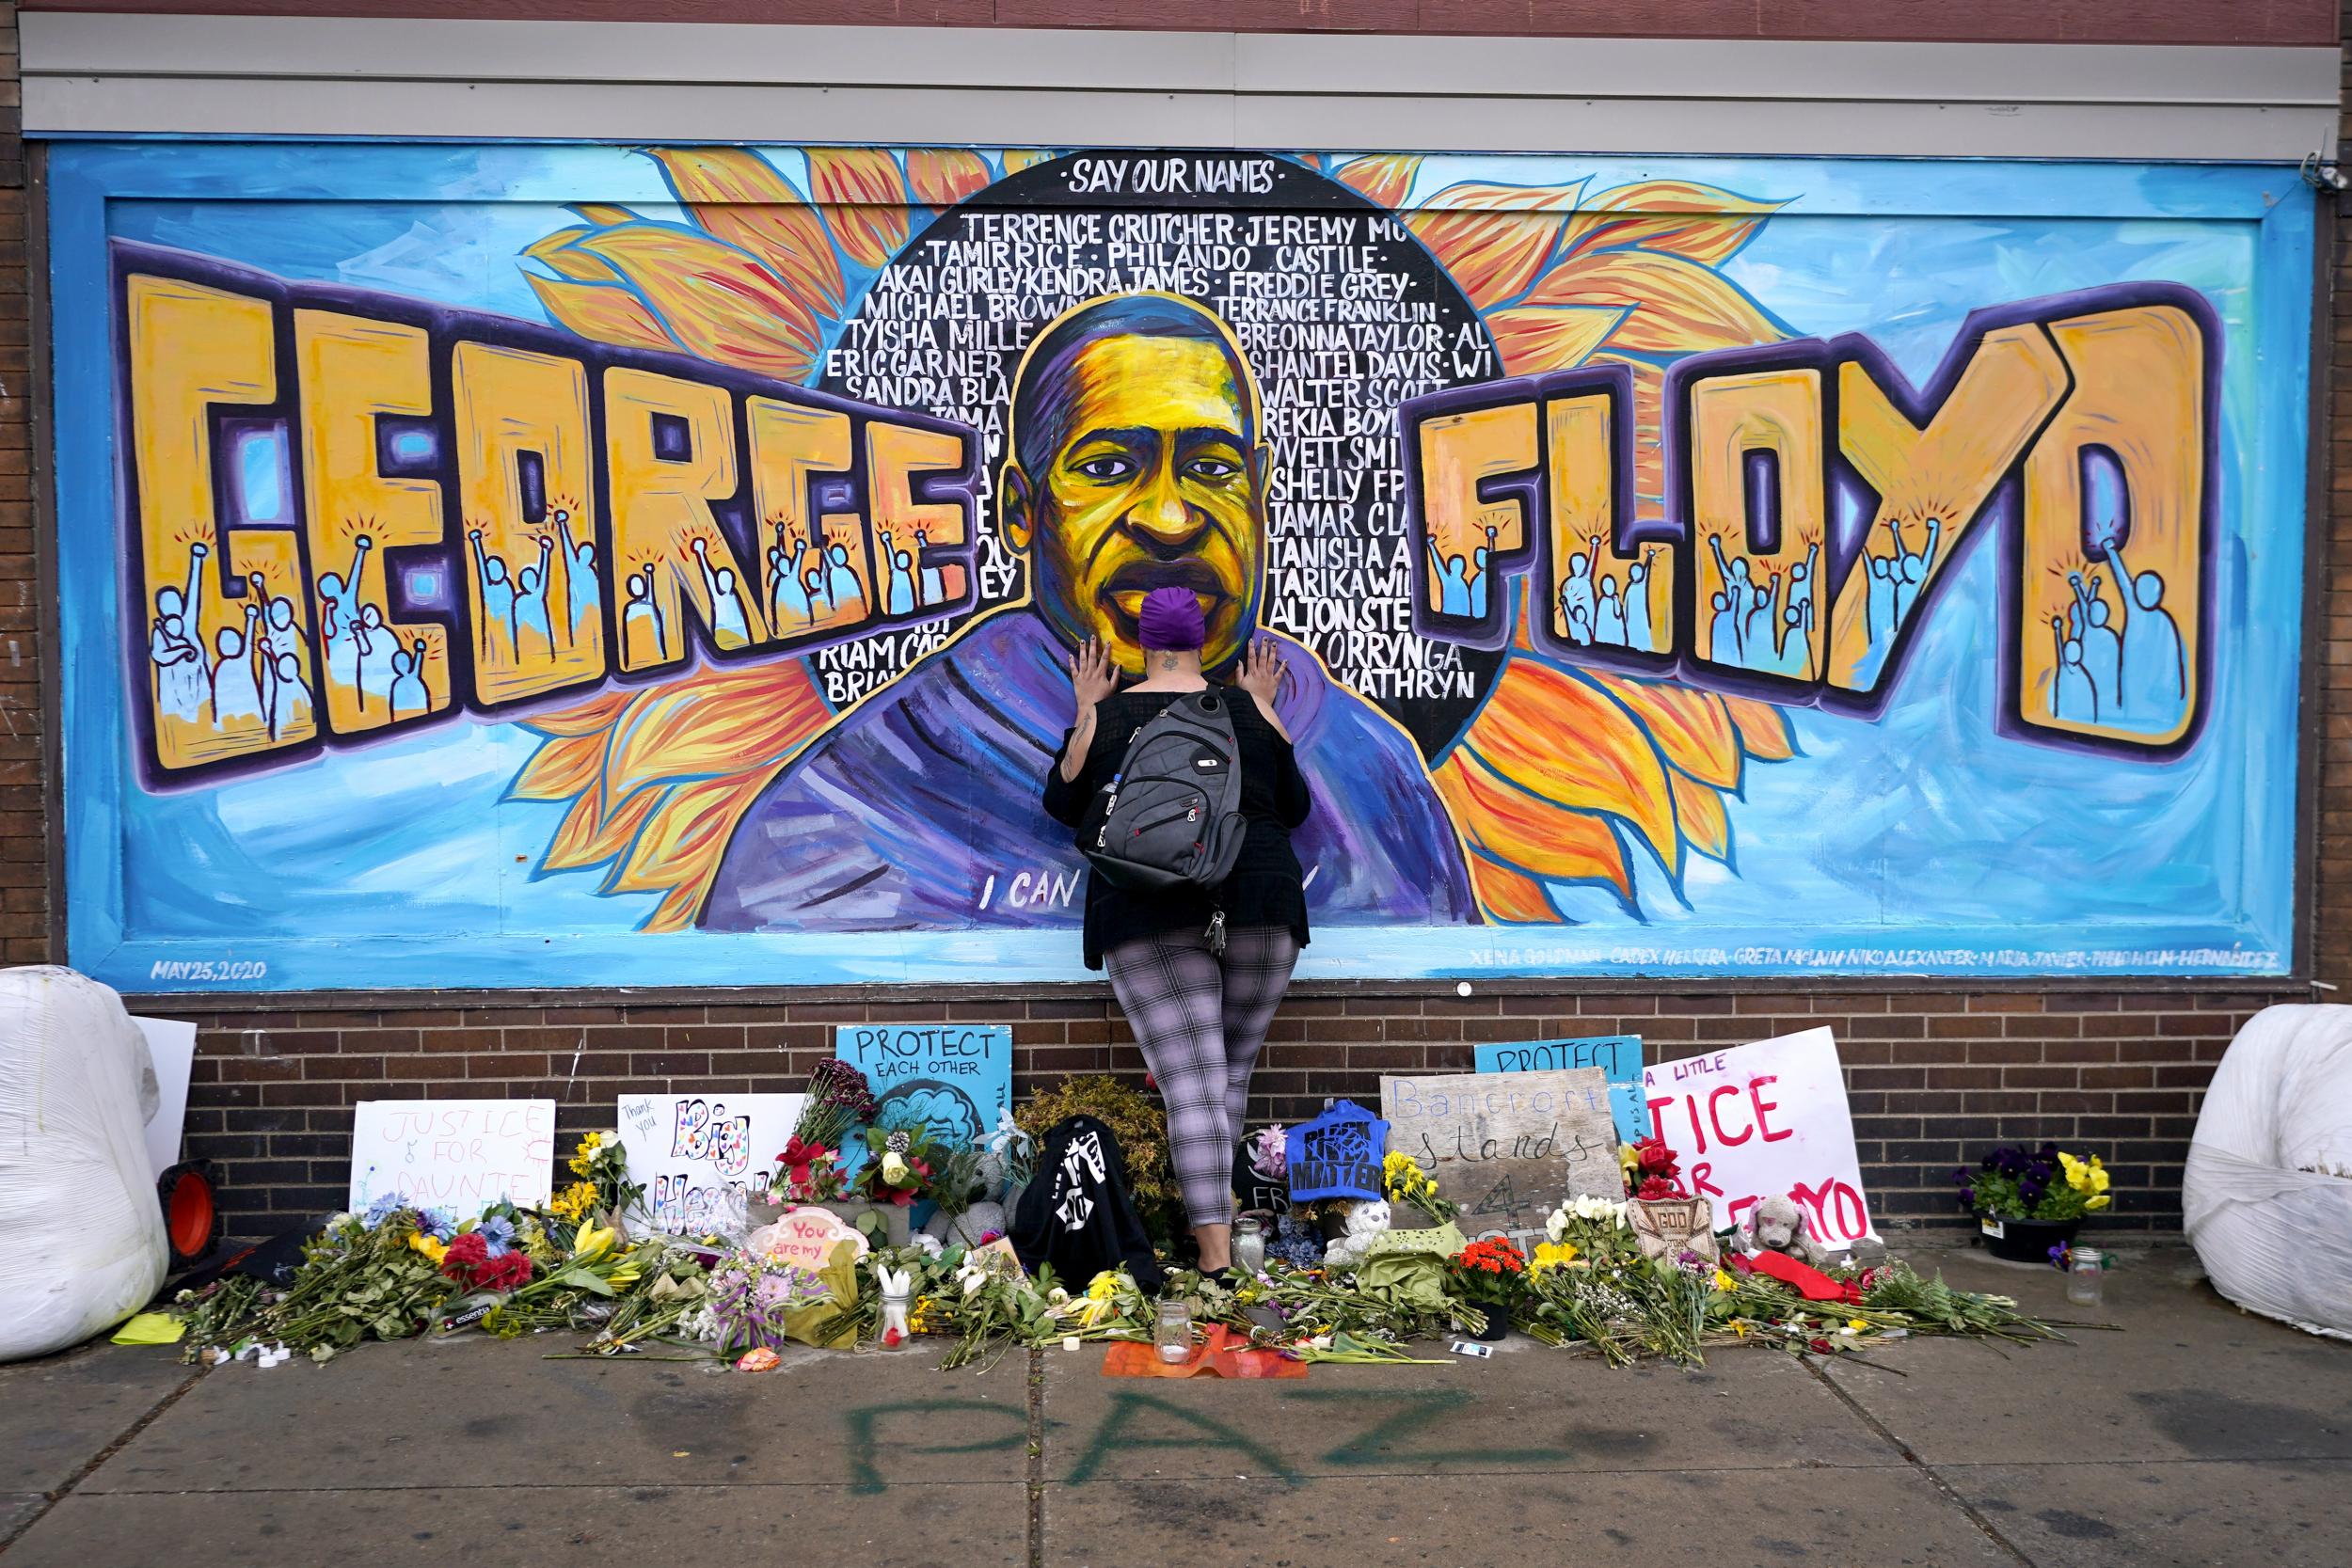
1199	1016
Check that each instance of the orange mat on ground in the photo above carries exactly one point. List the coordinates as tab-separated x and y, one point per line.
1219	1354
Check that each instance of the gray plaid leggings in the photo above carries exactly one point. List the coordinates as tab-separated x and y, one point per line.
1201	1020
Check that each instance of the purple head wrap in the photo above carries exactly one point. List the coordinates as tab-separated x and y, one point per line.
1171	619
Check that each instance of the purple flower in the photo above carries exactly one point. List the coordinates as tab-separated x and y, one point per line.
1968	1197
2060	1255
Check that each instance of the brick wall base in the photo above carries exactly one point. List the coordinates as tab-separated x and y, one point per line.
1933	1077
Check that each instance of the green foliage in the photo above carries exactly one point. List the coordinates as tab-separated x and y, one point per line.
1142	1126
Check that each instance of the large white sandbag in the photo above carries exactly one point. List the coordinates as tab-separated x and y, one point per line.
2270	1223
82	1242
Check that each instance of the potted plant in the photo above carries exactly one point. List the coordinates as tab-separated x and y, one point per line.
1488	1275
2027	1201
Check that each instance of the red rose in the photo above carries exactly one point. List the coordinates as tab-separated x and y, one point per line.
1655	1188
1820	1347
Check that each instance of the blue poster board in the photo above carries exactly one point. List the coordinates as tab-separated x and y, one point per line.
954	1079
1618	1056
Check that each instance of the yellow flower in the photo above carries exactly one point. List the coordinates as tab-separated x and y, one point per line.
2099	1202
1552	1255
1725	1281
592	1242
426	1245
586	1154
1857	1325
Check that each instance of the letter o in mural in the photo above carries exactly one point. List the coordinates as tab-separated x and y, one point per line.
1188	368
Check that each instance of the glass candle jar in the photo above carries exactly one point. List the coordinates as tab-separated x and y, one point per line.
2083	1281
895	1329
1249	1246
1175	1333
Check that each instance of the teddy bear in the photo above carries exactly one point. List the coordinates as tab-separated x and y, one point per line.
1366	1224
1778	1226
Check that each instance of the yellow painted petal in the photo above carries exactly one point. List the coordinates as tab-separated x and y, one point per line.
562	766
713	723
1537	836
1494	239
1677	307
1507	895
1387	179
681	843
742	198
1763	728
717	301
590	834
1692	728
602	214
1704	223
1699	813
602	315
862	197
1567	741
593	717
942	177
559	253
1538	338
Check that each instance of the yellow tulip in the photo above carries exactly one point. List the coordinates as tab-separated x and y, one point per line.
592	1240
1724	1281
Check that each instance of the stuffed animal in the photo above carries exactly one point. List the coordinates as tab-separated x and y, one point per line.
1778	1226
1367	1222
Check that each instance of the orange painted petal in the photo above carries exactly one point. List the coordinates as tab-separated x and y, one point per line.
601	214
1019	158
1535	339
1386	180
601	314
741	198
1700	811
1677	307
714	723
677	910
1567	740
593	717
591	835
1703	223
562	766
942	177
1763	729
1507	895
717	301
559	253
1533	835
864	199
1689	727
683	841
1494	239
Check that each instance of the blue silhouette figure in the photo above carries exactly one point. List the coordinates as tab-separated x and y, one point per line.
498	598
531	599
1576	592
2073	697
934	581
2155	677
1637	626
898	587
1452	582
1609	620
841	584
1880	608
643	613
290	701
787	592
1722	641
235	695
1760	640
579	574
410	696
727	605
378	643
1478	581
1736	579
2103	650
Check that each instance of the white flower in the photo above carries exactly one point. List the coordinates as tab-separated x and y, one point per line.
1556	1224
928	1243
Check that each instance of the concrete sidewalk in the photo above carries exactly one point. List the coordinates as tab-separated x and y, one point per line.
2198	1435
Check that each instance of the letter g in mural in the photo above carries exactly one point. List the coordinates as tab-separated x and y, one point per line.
667	569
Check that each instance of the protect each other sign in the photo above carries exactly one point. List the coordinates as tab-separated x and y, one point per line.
1759	1121
1618	1056
462	1155
951	1078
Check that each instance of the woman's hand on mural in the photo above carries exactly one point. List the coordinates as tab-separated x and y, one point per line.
1262	674
1092	677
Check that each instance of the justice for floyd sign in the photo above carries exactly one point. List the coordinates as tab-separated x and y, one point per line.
1508	1148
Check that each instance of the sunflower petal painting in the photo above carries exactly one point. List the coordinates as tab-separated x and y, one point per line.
579	565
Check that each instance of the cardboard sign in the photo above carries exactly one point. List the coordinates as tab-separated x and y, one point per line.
1509	1147
171	1048
462	1155
689	1148
953	1078
1759	1121
805	1238
1618	1056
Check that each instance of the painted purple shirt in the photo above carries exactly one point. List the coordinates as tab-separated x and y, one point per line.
920	808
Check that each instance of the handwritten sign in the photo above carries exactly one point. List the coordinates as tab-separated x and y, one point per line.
690	1149
1759	1121
952	1079
1508	1148
1618	1056
462	1155
805	1238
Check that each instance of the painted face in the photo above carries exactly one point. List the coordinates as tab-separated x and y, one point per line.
1155	485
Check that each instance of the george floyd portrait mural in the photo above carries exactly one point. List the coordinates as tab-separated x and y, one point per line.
546	565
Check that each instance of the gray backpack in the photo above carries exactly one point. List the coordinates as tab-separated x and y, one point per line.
1171	816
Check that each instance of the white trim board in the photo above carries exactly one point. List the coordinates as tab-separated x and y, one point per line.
132	74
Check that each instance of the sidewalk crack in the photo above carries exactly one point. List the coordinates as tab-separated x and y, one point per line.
1886	1435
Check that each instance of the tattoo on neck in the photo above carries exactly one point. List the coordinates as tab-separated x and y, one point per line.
1168	662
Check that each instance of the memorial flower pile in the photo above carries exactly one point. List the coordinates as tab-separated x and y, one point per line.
808	1172
901	1168
1406	1182
2014	1182
838	1100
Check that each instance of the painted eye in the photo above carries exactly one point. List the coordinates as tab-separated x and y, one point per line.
1212	468
1106	469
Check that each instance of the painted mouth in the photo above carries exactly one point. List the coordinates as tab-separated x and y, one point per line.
1122	593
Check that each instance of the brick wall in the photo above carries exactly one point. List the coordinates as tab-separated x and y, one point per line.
1933	1076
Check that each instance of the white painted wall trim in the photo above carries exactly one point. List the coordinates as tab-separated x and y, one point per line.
100	75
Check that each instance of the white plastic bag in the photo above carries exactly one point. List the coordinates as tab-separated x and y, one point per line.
82	1242
2272	1227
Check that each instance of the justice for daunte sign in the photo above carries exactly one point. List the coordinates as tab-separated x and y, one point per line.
1760	1120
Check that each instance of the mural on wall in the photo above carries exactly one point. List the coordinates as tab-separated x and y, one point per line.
557	566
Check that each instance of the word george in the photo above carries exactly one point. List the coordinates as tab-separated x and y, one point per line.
2076	428
351	515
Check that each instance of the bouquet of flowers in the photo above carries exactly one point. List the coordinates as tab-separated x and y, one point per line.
1651	1170
901	1168
1404	1183
747	1300
838	1100
1591	1227
808	1173
2014	1182
1489	1274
